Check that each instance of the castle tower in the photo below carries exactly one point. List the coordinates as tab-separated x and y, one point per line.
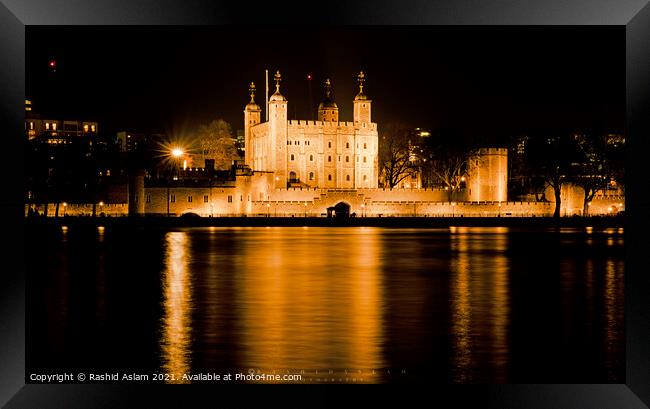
328	111
361	102
488	175
252	115
278	134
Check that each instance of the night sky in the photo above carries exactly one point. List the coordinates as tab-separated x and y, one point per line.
490	83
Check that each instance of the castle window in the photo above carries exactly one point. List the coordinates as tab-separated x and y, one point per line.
347	159
148	198
329	144
47	126
365	146
347	144
241	198
311	158
292	156
329	158
311	175
229	199
364	159
365	177
172	198
205	198
329	177
347	177
189	199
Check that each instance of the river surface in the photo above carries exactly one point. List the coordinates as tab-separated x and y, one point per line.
359	304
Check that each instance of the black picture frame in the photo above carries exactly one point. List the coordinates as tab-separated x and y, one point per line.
633	14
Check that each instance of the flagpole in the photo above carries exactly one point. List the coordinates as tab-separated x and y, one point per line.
267	95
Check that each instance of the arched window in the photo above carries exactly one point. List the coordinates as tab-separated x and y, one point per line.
311	158
329	177
347	177
292	176
364	159
292	156
364	178
311	175
329	158
347	159
365	146
347	144
329	144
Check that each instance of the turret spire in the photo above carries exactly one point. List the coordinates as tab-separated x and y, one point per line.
278	78
328	89
361	78
251	89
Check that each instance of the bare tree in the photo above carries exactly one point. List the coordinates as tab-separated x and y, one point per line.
447	166
216	142
596	168
551	161
395	157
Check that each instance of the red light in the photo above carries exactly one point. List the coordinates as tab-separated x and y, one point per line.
52	63
309	76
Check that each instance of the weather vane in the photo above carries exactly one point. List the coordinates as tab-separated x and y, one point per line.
278	78
251	89
362	78
328	87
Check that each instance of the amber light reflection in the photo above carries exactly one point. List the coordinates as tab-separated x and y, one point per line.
480	303
303	308
177	306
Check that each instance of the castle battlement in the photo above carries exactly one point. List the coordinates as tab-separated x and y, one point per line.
346	126
492	151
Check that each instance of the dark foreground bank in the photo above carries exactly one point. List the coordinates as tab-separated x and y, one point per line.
401	222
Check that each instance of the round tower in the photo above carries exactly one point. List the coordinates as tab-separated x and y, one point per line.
328	110
252	115
136	192
488	175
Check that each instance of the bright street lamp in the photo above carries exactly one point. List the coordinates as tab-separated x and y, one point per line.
177	152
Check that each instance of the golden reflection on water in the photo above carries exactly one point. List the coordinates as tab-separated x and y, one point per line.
177	306
614	315
480	304
303	308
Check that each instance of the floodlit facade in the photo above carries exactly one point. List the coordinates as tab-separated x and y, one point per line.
325	153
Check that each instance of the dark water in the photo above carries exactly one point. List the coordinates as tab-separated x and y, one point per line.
458	305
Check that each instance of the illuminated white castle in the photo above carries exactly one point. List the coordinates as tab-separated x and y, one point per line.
325	153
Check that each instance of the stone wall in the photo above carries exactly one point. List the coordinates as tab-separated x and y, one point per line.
83	209
254	196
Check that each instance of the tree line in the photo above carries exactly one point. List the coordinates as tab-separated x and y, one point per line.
593	162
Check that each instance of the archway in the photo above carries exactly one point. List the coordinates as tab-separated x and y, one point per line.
340	210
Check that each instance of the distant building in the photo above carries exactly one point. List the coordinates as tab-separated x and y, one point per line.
240	143
55	130
130	141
